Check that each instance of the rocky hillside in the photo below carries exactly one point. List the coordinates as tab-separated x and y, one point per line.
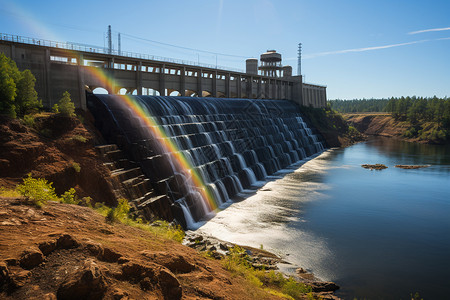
60	149
69	252
385	125
377	124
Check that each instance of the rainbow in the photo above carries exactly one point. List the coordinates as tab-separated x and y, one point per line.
141	112
156	130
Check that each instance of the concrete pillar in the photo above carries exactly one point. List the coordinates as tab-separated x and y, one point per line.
258	88
214	84
162	80
297	90
13	52
183	81
227	85
139	78
239	86
47	96
199	82
249	87
267	89
81	88
279	84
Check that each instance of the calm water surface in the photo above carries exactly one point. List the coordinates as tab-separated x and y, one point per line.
378	234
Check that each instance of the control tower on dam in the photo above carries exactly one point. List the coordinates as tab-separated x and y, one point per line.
76	68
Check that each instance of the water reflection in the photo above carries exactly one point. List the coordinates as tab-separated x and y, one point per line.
380	234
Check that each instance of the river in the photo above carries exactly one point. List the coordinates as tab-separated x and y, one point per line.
378	234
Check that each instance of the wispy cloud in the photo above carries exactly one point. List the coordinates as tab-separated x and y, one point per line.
362	49
429	30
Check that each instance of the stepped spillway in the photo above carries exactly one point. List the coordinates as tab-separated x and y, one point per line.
203	152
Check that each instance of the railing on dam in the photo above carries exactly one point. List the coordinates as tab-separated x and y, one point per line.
103	50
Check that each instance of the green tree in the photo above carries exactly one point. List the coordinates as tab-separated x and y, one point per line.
66	106
17	93
8	89
27	97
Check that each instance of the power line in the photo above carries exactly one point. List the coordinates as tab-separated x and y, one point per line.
181	47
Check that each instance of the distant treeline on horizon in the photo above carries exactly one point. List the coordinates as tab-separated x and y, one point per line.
418	111
383	105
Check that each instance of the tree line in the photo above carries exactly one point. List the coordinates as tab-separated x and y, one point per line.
429	117
358	105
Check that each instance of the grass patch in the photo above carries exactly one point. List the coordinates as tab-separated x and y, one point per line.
120	214
76	166
238	263
5	192
38	191
79	138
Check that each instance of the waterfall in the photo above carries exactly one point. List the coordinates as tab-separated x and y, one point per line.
203	152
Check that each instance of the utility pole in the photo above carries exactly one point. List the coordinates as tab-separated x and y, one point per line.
299	67
118	43
109	40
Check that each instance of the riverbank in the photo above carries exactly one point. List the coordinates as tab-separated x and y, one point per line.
333	127
260	259
383	124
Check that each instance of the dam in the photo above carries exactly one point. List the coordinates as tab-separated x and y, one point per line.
201	153
186	139
72	67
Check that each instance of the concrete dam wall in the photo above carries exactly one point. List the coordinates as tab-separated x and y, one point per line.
201	153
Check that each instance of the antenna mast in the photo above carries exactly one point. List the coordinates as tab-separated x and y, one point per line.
299	67
109	40
119	43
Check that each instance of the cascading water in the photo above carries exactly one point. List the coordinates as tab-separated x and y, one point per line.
230	144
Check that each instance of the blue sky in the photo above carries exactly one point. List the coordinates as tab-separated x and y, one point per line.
359	49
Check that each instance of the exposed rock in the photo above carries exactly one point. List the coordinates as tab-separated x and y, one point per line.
49	296
94	248
4	274
31	258
323	286
175	263
87	283
66	241
411	166
134	271
47	247
20	278
118	294
170	285
109	255
374	167
146	284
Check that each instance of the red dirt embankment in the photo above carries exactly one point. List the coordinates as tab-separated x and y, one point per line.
69	252
377	124
54	150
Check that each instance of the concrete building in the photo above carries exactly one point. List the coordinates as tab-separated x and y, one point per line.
60	67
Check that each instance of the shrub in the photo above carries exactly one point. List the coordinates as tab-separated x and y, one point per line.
46	132
28	120
295	289
66	106
76	167
37	190
118	213
69	197
55	108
